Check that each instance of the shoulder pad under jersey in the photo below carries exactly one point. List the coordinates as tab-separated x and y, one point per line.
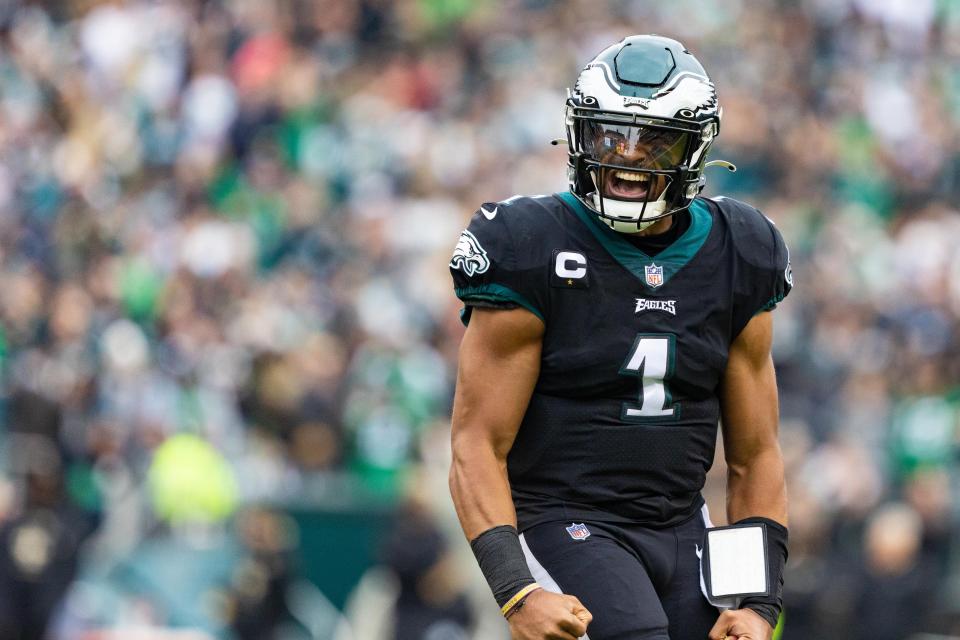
759	243
499	258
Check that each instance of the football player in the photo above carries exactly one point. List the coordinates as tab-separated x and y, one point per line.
609	329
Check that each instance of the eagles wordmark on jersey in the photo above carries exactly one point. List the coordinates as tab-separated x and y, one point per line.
622	424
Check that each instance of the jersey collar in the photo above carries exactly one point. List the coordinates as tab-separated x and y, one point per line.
671	259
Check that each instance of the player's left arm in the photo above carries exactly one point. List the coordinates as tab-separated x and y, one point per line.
756	490
750	410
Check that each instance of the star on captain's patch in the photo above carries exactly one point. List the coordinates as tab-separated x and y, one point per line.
569	282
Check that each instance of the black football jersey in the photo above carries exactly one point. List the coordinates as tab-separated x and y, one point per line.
622	423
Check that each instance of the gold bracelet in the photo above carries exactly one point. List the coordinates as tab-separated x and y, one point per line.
518	597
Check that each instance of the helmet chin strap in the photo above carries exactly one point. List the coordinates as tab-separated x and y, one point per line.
631	211
626	209
630	222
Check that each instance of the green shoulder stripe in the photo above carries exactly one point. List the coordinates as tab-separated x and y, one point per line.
772	303
496	293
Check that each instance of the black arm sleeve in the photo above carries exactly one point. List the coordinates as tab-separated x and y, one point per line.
501	560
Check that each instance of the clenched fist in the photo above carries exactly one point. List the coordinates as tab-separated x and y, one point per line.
549	616
741	624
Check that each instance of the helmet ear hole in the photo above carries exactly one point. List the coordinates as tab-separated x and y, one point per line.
685	113
590	101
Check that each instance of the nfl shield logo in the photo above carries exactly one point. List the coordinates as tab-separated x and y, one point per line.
578	531
654	274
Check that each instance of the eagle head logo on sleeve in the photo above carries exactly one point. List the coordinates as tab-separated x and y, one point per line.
469	256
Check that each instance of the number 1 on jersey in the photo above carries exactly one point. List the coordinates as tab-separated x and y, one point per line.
652	359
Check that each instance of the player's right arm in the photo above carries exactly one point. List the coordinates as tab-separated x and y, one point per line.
498	368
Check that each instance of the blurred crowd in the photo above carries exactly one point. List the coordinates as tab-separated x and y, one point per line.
224	229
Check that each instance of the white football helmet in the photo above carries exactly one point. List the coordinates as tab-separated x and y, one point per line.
639	123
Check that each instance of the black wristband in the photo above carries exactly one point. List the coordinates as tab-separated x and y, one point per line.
769	607
501	560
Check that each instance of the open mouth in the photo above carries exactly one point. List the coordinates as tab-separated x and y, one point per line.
627	185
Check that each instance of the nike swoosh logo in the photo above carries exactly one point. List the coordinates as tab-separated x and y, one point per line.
489	215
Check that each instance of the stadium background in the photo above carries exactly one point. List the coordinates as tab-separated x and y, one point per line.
228	337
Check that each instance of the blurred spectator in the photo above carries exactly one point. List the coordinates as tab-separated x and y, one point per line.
416	592
894	592
255	603
430	604
39	546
